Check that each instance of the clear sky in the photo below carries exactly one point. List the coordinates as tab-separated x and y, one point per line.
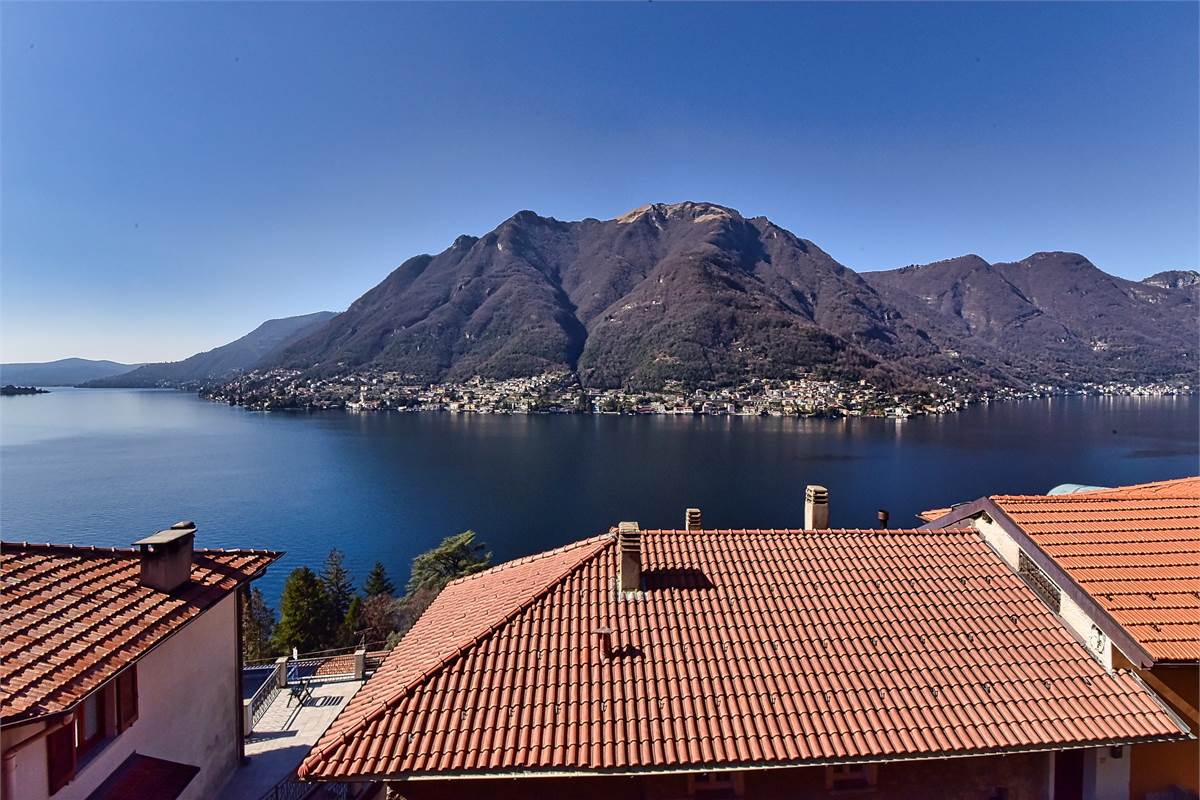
171	175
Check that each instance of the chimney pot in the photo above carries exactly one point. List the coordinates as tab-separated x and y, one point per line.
883	518
166	557
691	519
605	635
629	543
816	508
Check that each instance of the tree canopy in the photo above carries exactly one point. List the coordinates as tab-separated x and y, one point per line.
378	582
305	622
455	557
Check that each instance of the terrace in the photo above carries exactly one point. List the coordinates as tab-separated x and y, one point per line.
287	705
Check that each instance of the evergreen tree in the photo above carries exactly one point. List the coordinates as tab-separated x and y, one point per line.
336	581
378	583
305	622
258	624
455	557
352	623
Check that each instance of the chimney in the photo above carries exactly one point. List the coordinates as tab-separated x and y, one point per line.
691	519
167	557
883	517
629	542
816	508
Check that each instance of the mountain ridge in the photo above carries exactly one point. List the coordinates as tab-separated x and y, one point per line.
700	294
62	371
245	352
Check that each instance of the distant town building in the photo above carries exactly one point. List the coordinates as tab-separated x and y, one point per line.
1121	569
744	664
120	669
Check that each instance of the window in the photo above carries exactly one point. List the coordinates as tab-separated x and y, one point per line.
90	722
850	777
1039	581
102	715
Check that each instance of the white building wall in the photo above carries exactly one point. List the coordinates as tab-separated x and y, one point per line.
1105	777
189	700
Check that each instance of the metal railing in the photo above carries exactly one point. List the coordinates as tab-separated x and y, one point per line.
292	788
324	666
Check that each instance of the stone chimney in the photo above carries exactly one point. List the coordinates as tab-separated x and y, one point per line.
167	557
691	519
629	543
816	508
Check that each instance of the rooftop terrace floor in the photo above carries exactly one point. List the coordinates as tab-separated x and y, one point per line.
283	737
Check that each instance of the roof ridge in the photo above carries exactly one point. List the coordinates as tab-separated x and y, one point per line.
1140	491
809	531
529	559
599	543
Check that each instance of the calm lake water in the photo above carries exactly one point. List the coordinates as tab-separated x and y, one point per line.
106	467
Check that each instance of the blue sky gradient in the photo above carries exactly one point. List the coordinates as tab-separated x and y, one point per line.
171	175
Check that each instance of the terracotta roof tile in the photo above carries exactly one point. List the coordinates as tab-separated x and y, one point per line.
744	647
72	617
1135	549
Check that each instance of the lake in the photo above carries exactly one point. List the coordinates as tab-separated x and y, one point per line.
107	467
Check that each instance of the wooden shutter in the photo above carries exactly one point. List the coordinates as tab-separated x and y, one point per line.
127	698
60	757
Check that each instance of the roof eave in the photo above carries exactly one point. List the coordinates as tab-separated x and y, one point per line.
1183	735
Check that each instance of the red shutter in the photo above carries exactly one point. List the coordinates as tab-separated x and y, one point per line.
60	757
127	698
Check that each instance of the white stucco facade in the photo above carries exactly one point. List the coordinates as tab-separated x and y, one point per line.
189	703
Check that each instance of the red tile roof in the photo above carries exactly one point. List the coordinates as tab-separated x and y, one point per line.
72	617
746	647
1135	550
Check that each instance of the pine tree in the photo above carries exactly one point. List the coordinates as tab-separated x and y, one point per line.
338	588
305	622
352	623
258	624
378	583
455	557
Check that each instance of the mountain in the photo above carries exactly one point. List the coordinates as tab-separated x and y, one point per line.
697	293
1049	316
262	343
690	291
1174	279
64	372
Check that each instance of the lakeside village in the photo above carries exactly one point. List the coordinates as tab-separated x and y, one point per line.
560	393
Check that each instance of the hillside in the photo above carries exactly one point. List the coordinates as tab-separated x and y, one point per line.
697	293
262	343
691	292
63	372
1051	315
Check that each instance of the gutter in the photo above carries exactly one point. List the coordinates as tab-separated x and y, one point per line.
1183	735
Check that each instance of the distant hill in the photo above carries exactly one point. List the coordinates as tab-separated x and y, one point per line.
698	293
222	362
1051	315
1174	279
64	372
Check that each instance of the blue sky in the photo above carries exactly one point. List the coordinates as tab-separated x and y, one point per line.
173	174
